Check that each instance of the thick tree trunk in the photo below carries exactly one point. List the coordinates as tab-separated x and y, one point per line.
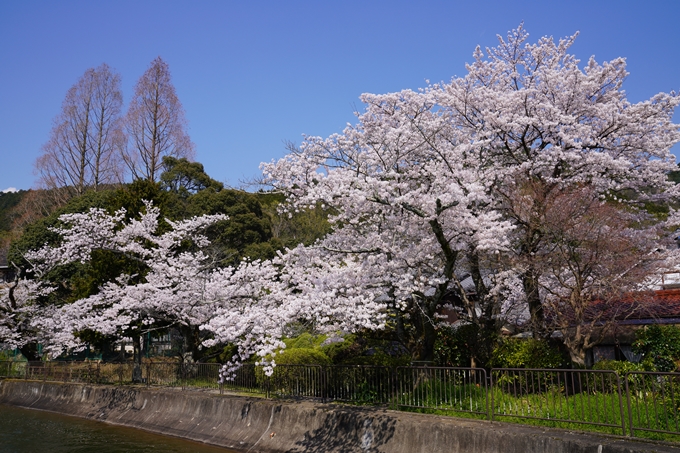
578	356
429	336
530	284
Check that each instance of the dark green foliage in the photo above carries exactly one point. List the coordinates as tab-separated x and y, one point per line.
658	210
303	227
9	200
246	233
103	267
459	346
132	197
675	175
185	178
191	192
660	344
526	353
220	354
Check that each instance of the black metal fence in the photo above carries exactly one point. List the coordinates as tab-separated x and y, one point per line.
653	402
580	397
634	404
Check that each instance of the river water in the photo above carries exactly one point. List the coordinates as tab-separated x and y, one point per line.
31	431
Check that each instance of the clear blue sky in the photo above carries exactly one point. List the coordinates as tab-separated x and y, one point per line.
254	74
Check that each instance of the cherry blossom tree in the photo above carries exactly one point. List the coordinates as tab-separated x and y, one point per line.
535	116
257	301
410	204
248	305
596	264
429	186
20	315
167	292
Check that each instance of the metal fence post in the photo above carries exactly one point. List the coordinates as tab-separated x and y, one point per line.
492	407
631	432
623	417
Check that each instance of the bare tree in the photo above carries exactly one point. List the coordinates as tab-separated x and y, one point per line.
597	254
107	135
80	154
155	124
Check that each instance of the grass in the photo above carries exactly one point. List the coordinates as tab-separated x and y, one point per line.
593	411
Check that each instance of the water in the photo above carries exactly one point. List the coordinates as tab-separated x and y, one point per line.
31	431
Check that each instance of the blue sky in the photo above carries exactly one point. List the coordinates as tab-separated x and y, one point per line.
254	74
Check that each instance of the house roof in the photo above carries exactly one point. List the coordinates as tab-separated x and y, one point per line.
659	304
639	308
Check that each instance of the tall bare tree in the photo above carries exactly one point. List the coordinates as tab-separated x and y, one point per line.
80	154
155	124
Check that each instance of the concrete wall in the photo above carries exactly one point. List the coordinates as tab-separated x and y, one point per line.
258	425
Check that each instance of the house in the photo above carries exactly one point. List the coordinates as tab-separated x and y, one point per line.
661	306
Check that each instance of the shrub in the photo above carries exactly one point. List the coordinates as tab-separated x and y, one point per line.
620	366
360	350
529	353
302	356
457	346
284	374
660	345
305	340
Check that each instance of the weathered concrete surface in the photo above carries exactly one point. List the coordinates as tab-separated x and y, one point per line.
257	425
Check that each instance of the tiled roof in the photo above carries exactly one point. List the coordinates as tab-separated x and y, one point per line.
660	304
635	308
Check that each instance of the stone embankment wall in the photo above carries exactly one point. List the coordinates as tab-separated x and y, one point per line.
258	425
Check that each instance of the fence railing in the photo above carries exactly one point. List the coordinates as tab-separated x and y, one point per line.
653	402
452	389
581	397
634	404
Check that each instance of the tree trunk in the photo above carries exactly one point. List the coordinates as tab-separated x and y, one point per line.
429	336
530	284
137	359
578	356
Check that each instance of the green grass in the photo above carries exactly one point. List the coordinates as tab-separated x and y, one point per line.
582	412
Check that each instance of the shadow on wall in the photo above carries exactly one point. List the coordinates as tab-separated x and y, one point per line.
109	400
345	432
